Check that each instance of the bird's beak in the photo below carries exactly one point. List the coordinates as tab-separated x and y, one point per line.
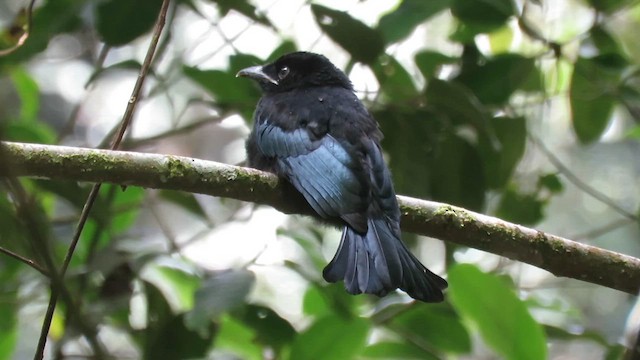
256	73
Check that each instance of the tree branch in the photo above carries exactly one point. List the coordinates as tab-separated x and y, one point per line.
560	256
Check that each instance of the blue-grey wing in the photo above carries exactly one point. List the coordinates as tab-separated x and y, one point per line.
322	170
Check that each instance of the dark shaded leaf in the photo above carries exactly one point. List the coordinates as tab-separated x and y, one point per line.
429	62
428	161
185	200
167	336
8	324
270	329
243	7
457	174
494	81
331	338
483	16
229	91
524	209
393	350
550	182
629	93
502	318
608	6
218	294
362	42
285	47
399	23
456	102
12	231
121	21
603	41
591	98
501	161
410	138
395	82
437	327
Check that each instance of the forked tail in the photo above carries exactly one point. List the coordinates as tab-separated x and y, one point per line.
378	262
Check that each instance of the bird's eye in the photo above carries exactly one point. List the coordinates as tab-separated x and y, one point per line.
283	73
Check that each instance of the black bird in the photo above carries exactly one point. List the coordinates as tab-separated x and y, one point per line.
312	130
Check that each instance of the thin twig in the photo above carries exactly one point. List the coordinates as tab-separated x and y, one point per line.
593	233
25	260
73	117
126	121
579	183
23	38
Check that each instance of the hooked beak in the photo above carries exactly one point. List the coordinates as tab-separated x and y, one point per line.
256	73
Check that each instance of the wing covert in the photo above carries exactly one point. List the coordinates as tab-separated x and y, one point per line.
321	169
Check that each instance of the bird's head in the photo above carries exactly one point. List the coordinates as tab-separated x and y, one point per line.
295	71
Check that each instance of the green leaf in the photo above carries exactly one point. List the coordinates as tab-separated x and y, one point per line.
270	329
501	161
245	8
362	42
484	15
395	82
314	303
500	40
454	174
121	21
603	41
393	350
456	102
410	139
494	81
229	91
437	327
179	284
429	62
8	324
167	336
634	133
185	200
285	47
30	132
608	6
28	92
524	209
125	207
399	23
238	338
331	338
427	160
591	98
550	182
501	317
217	295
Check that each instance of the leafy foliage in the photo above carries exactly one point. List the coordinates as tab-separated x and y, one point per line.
456	107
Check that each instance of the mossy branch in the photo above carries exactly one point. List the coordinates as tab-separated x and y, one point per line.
561	257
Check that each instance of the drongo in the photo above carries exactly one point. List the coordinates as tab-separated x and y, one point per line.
311	129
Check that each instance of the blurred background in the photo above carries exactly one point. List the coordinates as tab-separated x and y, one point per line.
527	110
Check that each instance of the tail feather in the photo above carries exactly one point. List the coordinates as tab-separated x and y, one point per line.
378	262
